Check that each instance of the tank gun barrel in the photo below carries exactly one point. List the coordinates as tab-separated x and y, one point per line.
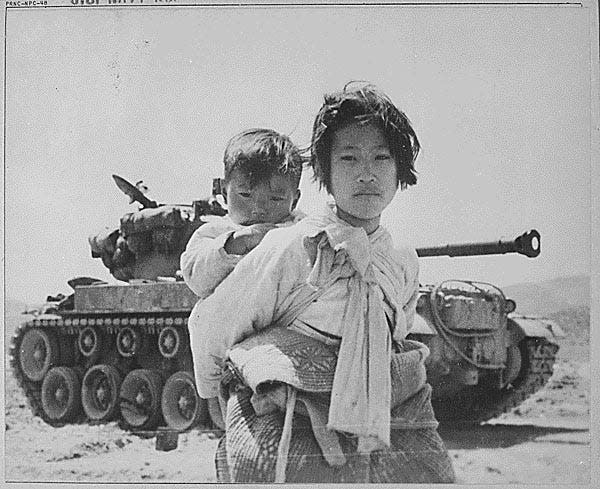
528	244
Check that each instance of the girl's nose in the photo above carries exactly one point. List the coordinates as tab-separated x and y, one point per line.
366	175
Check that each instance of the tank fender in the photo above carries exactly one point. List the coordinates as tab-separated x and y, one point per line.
421	326
535	327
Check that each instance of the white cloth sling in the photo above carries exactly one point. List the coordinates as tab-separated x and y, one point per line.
361	395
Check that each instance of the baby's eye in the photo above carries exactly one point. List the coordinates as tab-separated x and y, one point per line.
347	157
277	199
244	194
383	157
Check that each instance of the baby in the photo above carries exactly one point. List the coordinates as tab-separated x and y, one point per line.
262	174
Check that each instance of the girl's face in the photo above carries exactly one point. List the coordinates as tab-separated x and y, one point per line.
363	174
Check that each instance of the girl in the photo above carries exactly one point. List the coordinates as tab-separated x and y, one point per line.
314	320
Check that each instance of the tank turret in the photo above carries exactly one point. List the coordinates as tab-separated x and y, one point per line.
121	352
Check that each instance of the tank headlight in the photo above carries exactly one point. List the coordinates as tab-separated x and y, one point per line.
510	305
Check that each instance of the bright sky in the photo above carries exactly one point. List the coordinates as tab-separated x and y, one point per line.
499	97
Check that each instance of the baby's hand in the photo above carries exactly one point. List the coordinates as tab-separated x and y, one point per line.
246	239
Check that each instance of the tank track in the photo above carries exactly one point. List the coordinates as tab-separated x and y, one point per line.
472	405
67	328
483	402
31	389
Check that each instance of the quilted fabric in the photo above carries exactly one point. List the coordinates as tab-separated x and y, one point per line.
248	450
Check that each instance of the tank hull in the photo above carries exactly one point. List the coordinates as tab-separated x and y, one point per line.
114	336
121	352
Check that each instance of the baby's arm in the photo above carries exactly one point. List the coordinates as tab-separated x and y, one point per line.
244	240
244	302
205	263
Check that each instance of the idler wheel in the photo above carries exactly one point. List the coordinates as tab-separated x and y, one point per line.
89	342
139	399
61	394
38	353
182	408
513	364
100	392
129	342
169	342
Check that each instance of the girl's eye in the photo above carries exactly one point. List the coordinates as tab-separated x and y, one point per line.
244	194
347	158
383	156
277	199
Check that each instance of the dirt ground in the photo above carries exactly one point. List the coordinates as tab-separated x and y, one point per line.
544	441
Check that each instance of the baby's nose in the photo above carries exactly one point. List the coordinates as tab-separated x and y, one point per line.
260	205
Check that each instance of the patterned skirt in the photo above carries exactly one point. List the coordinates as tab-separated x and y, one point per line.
248	452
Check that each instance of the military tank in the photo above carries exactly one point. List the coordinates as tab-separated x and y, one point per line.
485	358
121	352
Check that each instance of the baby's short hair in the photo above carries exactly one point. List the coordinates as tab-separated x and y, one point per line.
261	153
363	104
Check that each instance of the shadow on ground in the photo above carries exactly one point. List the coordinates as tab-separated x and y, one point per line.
504	436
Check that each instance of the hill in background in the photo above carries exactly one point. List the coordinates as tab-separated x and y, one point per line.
550	296
575	322
13	311
13	316
565	300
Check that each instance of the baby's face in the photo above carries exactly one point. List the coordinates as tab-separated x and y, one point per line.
269	201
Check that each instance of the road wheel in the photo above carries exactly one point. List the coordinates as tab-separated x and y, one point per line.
169	342
89	342
100	392
129	342
61	398
38	353
182	408
139	399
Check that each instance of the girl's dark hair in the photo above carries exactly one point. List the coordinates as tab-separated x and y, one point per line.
261	153
364	104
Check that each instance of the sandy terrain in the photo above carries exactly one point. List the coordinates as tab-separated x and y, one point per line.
544	441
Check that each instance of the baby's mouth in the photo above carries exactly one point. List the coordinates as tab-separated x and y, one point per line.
257	218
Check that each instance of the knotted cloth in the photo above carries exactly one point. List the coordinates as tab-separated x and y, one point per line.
361	394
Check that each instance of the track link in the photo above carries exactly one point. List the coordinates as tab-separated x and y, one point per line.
32	390
483	402
66	329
